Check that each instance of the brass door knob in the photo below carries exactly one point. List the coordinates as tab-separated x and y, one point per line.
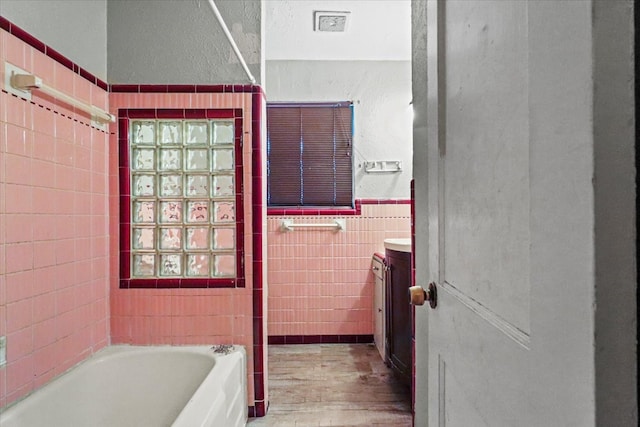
418	296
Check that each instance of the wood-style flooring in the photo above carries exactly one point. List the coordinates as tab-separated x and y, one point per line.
333	385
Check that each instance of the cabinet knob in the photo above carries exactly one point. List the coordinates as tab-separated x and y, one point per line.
418	296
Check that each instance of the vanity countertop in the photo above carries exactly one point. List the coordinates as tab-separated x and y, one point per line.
401	245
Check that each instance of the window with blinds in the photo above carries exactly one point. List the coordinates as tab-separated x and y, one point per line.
309	154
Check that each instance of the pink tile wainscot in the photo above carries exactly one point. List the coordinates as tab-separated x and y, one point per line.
320	281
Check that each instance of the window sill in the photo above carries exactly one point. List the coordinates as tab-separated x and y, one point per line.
326	211
314	211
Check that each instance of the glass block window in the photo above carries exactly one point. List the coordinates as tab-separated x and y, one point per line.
183	202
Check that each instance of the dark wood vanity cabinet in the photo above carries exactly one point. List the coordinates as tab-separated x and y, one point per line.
398	314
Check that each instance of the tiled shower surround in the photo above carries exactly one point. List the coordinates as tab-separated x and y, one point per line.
60	299
169	312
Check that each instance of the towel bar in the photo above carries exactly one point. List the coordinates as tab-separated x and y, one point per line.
289	225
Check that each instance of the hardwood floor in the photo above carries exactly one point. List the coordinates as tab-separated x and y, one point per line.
333	385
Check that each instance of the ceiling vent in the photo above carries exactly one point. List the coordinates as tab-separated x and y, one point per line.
332	22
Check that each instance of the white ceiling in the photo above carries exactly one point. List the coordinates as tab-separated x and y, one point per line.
378	30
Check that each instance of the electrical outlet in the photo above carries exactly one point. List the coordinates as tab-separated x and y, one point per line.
3	350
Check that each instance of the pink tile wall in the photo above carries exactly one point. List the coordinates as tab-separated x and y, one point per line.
53	227
183	316
320	281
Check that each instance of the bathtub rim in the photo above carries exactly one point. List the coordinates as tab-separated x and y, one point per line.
122	350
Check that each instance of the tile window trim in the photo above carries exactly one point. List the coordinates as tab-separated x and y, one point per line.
128	282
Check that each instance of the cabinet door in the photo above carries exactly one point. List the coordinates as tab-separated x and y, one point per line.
378	312
399	314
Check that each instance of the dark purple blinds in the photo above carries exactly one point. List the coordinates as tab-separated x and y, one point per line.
309	160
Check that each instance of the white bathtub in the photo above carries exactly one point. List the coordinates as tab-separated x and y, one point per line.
142	386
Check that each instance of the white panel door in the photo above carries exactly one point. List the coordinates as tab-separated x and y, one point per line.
510	208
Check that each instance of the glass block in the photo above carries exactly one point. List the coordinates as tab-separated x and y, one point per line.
198	185
144	211
170	265
224	212
224	238
198	265
170	238
144	185
143	238
143	132
170	211
223	185
170	132
143	159
198	160
143	265
197	133
198	211
222	160
198	238
224	265
171	185
223	132
171	160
